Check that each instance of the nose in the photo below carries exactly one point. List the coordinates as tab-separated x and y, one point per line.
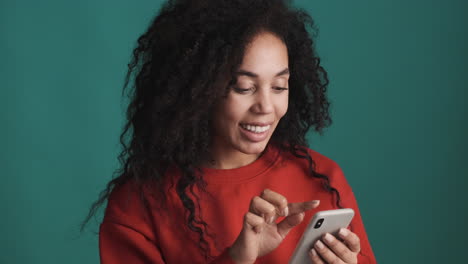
263	102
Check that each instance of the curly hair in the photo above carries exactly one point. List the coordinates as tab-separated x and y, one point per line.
182	65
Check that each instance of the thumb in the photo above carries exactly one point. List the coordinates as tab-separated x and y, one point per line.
288	223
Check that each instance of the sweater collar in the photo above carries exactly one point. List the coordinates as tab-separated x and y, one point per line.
244	173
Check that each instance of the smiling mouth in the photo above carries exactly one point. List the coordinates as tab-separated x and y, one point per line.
255	129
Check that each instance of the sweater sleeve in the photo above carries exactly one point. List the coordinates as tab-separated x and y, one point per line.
366	255
119	243
122	244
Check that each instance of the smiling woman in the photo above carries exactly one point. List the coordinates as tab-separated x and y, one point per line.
217	168
245	120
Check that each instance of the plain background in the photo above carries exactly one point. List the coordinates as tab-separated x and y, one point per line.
398	72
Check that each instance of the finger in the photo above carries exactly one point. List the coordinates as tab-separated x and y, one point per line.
327	255
288	223
253	222
350	239
296	208
278	200
315	258
263	208
339	248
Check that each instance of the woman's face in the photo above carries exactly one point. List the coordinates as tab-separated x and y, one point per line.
244	121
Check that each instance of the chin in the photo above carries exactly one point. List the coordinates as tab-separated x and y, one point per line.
253	148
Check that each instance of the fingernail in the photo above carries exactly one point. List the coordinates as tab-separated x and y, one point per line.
285	211
312	204
328	238
344	232
319	244
314	253
271	220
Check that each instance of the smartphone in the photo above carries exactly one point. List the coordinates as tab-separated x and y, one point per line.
329	221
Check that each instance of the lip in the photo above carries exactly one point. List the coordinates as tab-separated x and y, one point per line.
257	123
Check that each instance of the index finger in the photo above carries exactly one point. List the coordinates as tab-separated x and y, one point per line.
278	200
296	208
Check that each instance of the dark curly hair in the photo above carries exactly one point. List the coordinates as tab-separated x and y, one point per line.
183	64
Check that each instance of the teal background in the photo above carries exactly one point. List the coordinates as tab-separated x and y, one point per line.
398	72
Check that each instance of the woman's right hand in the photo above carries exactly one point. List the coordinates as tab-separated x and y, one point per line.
260	233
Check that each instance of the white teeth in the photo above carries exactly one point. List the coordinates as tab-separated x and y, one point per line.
256	129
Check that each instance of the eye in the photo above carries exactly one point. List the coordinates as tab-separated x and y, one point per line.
242	90
280	89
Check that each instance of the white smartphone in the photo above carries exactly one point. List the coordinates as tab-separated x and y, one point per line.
329	221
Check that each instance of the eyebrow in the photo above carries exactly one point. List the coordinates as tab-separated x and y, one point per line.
254	75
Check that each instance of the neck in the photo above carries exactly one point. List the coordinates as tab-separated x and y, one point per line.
230	160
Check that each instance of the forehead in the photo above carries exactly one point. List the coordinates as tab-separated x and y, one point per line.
266	54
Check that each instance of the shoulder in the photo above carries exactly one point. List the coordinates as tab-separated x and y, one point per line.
125	207
121	202
329	167
323	164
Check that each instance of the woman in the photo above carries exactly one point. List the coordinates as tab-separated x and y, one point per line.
217	169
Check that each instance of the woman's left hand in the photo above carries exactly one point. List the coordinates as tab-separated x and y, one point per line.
330	249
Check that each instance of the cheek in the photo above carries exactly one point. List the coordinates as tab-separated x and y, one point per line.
282	107
230	113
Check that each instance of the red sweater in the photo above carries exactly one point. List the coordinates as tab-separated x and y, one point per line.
131	234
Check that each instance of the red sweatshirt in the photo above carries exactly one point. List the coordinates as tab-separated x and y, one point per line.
131	234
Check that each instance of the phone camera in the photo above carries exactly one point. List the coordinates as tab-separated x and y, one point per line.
319	223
